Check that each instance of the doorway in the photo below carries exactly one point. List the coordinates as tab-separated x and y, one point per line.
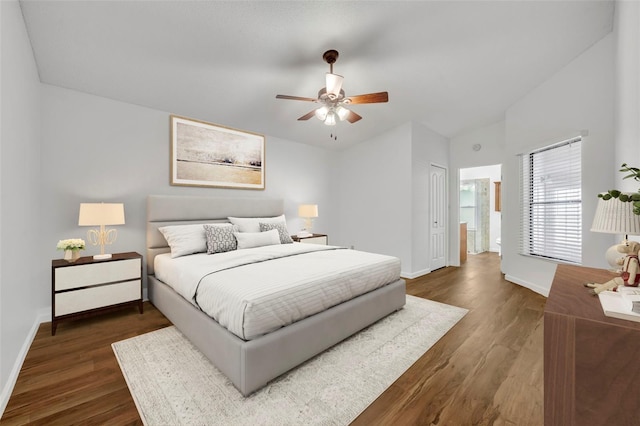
480	209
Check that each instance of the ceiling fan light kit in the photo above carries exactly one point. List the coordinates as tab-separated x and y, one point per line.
332	99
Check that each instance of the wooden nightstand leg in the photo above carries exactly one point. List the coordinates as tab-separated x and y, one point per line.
54	325
140	307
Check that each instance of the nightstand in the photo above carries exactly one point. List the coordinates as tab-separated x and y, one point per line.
312	239
87	287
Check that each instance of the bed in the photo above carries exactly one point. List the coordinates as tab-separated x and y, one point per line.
250	363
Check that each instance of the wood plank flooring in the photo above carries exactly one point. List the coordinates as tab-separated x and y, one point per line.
486	370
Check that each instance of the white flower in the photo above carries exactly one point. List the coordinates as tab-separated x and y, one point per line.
71	244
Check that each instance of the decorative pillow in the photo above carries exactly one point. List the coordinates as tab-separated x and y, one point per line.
252	224
220	237
257	239
281	227
185	239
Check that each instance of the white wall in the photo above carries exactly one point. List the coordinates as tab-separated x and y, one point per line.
373	186
23	271
383	193
627	90
98	149
579	97
462	155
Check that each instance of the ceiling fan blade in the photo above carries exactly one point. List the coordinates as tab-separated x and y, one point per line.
369	98
307	116
334	84
353	117
295	98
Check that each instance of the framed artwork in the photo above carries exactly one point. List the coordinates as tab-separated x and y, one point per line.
206	154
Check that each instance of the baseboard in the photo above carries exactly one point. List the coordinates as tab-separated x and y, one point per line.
43	316
412	275
531	286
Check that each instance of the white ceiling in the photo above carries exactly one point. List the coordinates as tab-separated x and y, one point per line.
451	65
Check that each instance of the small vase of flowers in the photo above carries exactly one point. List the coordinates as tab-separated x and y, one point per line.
71	247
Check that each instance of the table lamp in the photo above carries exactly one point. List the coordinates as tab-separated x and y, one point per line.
615	217
308	212
101	214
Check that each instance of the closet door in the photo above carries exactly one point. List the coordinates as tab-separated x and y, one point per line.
438	213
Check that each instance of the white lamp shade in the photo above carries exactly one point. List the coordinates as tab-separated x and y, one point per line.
615	217
308	210
331	119
321	113
342	112
334	84
96	214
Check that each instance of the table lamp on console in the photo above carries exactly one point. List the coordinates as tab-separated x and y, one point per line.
615	217
101	214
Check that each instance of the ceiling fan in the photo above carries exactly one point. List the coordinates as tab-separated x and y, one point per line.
332	99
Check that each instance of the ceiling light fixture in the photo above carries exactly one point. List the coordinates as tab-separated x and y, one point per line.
333	102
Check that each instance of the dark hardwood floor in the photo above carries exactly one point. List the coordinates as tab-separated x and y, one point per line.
486	370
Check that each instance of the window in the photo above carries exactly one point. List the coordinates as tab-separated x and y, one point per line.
551	203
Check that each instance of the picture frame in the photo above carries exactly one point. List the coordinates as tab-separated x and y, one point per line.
209	155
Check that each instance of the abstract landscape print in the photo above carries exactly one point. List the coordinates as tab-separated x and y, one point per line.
206	154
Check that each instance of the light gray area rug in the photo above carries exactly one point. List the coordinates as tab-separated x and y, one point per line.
172	383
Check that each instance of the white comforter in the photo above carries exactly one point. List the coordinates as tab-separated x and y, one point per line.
254	291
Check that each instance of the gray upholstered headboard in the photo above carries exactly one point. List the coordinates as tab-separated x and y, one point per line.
163	210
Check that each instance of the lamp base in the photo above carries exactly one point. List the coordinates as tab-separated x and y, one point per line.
304	234
102	256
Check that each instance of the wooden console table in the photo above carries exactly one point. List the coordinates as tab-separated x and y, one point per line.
591	361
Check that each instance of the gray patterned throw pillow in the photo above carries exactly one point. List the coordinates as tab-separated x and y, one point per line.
220	237
285	238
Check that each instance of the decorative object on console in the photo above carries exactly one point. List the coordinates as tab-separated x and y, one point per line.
308	212
71	247
615	216
101	214
206	154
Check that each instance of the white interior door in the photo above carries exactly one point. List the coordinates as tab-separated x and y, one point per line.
438	213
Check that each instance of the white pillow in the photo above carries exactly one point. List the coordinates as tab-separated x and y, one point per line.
252	224
185	239
257	239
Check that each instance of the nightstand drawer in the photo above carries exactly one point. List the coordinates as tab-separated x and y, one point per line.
94	297
315	240
96	273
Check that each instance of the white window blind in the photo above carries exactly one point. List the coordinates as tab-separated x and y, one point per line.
551	202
